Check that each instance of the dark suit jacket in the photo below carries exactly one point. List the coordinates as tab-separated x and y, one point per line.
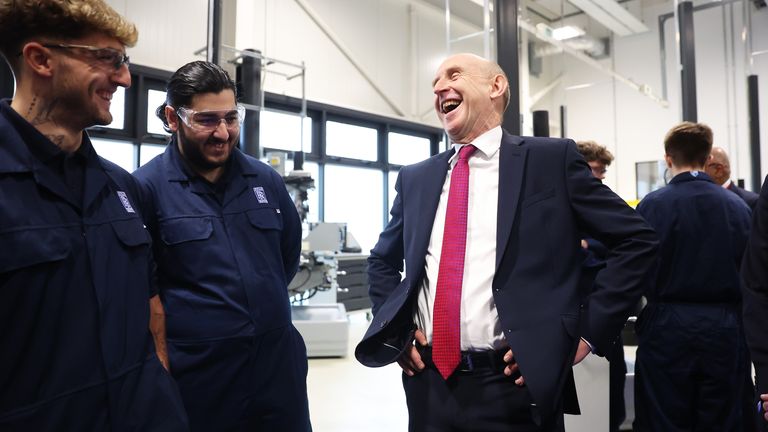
548	199
754	273
749	197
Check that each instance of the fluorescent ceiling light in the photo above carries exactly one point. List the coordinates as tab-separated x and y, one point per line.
567	32
612	15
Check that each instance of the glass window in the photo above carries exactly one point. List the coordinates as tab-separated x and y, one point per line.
358	203
147	152
406	149
279	130
155	98
117	109
350	141
119	152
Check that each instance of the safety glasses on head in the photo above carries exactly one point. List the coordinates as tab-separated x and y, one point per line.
105	56
209	120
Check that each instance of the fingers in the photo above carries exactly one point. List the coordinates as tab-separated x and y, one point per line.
420	338
410	361
512	368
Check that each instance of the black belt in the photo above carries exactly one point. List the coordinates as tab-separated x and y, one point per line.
470	361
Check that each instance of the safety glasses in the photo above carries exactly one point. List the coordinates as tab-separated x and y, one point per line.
106	56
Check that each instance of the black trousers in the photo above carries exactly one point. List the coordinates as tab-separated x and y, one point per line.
481	400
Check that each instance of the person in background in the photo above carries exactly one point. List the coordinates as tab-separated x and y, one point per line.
227	243
754	273
488	320
77	352
689	370
718	167
599	158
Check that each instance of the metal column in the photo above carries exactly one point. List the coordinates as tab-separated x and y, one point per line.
250	86
687	60
507	57
213	44
563	122
754	131
541	123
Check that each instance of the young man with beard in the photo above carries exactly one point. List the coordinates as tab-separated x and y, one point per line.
227	242
495	307
77	353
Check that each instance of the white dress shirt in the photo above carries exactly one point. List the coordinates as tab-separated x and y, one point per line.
480	327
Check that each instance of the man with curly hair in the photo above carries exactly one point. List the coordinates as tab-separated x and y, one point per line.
77	352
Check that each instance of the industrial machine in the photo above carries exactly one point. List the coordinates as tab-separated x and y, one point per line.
331	279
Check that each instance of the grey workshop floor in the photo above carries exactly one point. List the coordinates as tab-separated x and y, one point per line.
345	396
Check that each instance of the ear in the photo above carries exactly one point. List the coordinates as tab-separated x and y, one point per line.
498	86
37	59
171	118
668	159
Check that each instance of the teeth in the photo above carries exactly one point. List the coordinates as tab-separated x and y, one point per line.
450	105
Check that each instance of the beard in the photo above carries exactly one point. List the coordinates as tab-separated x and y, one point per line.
192	150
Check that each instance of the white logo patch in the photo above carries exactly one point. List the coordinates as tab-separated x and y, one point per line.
261	197
124	200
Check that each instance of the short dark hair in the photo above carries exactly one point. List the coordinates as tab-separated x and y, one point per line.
192	79
689	143
24	20
592	151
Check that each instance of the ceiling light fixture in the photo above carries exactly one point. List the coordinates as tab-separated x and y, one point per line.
612	15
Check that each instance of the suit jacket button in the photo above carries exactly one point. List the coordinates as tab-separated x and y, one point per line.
382	324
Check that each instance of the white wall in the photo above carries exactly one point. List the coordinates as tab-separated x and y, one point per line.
170	31
399	43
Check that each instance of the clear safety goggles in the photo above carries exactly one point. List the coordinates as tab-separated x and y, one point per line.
208	121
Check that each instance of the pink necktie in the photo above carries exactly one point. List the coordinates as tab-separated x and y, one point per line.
446	329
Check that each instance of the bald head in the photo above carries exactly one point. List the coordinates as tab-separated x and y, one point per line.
471	94
718	165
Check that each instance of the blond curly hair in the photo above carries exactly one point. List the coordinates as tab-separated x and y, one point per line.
24	20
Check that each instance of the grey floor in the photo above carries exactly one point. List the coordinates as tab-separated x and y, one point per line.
345	396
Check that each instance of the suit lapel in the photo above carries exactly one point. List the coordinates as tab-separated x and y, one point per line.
426	197
511	169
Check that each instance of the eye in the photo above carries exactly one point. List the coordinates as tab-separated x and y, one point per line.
107	56
231	119
455	76
207	121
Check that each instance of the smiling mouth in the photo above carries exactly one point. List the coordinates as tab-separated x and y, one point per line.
450	105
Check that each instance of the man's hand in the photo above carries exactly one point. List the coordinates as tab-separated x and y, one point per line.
512	367
410	361
764	398
581	352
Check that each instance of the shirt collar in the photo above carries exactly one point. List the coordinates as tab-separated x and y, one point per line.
488	143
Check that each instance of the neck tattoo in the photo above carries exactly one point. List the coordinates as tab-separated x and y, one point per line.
31	107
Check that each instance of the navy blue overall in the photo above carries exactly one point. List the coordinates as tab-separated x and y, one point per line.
225	253
691	356
76	353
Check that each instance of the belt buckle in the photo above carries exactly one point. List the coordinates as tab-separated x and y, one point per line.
467	359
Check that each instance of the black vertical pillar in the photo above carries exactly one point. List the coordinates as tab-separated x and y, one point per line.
6	80
541	123
563	123
250	87
214	32
754	131
506	54
688	60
